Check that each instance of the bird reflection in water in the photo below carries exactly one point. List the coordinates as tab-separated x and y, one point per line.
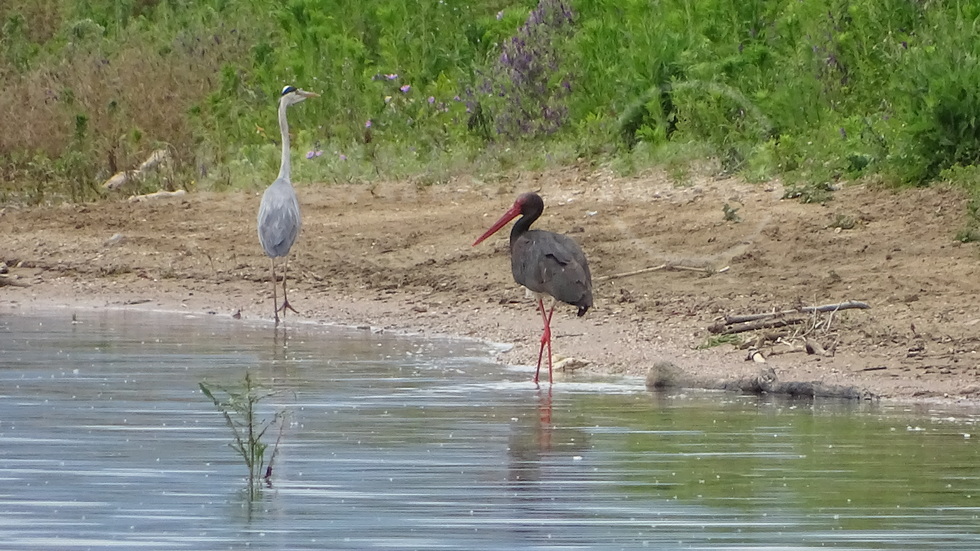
541	455
545	427
532	440
279	342
541	436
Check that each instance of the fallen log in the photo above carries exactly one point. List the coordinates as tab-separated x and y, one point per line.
666	375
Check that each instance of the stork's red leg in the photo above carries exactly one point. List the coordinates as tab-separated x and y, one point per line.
551	376
545	340
544	337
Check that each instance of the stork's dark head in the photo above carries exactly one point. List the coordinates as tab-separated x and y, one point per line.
529	205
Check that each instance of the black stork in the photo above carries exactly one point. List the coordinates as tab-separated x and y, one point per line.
547	263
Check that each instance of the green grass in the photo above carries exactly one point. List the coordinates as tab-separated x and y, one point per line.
814	93
719	340
969	179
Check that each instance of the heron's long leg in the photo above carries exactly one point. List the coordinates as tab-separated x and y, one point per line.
545	339
285	300
275	300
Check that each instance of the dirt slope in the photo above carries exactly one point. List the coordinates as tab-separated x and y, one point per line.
399	256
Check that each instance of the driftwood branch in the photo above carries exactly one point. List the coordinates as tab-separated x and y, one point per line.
742	318
835	307
665	266
803	309
752	325
156	195
633	273
771	320
124	177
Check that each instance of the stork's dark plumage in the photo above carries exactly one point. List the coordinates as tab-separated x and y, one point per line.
549	264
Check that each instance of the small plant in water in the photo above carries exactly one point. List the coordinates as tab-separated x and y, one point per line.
239	408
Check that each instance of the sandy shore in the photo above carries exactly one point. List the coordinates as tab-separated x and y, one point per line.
398	257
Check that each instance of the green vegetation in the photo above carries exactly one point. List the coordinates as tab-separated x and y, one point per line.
239	408
812	92
719	340
730	213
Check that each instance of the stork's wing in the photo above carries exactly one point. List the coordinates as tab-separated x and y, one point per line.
553	264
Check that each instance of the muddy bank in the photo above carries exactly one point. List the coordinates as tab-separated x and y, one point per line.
398	256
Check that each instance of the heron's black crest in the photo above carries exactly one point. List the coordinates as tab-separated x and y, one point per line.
288	89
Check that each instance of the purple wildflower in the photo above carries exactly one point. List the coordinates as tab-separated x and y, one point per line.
432	100
391	76
520	82
313	153
367	124
405	88
343	157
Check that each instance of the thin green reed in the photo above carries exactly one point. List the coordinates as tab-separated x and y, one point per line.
239	406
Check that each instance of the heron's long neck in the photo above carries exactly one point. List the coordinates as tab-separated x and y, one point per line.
284	128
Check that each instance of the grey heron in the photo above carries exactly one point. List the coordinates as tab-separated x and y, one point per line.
279	219
549	264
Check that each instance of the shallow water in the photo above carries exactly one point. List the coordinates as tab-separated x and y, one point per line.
395	442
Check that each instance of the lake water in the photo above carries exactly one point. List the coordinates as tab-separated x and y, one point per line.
396	442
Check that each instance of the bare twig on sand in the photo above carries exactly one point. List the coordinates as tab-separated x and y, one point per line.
838	306
664	266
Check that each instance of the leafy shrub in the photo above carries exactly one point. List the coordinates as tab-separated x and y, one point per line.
527	86
940	85
813	92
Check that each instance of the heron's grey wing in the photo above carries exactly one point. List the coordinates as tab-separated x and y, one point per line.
279	219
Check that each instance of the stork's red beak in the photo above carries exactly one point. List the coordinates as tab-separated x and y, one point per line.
512	213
